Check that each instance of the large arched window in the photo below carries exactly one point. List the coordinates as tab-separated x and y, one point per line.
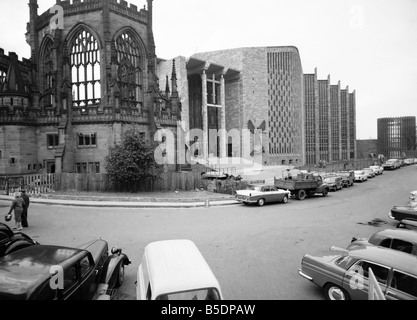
130	71
85	70
48	73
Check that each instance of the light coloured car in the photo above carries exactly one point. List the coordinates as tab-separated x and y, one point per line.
391	164
261	194
175	270
377	169
360	176
344	274
396	239
369	172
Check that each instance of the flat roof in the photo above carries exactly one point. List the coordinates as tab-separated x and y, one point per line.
177	266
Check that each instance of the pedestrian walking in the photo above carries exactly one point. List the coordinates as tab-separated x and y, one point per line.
17	206
25	198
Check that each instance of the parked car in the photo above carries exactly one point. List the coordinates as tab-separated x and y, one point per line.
396	239
348	178
261	194
378	170
175	270
407	224
360	176
87	272
334	183
369	172
391	164
344	274
403	212
12	241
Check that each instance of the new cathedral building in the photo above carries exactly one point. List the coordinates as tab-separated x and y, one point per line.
85	83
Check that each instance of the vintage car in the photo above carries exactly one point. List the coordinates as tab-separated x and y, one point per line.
12	241
403	212
47	272
391	164
344	274
175	270
261	194
407	224
360	176
369	172
334	183
378	170
348	178
396	239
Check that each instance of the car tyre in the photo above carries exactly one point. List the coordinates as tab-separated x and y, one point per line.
334	292
301	195
325	192
261	202
285	200
120	275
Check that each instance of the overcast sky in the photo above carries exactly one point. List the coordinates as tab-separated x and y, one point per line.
369	45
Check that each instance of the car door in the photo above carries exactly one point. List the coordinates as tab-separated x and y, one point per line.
71	283
267	194
403	286
89	277
356	281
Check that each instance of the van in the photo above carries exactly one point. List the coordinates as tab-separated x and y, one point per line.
175	270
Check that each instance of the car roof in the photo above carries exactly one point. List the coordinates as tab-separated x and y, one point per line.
392	258
23	271
402	234
178	265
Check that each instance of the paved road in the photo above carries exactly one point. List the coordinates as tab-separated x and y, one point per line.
254	251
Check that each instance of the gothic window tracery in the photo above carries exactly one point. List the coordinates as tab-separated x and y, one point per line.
48	73
2	77
85	70
129	71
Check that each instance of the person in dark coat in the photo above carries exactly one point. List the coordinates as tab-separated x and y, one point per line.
26	199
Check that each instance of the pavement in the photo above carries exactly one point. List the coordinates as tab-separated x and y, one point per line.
131	203
249	170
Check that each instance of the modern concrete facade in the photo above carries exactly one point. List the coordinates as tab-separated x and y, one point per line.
330	121
266	99
397	137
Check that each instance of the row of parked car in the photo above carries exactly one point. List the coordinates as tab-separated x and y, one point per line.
386	260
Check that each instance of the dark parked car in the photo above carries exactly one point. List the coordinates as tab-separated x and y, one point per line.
87	272
334	183
397	239
403	212
407	224
12	241
344	274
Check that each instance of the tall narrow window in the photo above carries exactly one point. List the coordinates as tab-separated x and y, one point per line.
2	77
130	72
48	74
85	70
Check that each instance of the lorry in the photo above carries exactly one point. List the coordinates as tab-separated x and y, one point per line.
303	185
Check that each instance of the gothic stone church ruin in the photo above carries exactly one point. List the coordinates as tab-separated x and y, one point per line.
61	109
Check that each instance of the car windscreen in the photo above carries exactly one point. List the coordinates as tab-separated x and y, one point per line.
202	294
254	188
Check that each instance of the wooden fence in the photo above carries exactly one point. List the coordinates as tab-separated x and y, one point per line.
169	181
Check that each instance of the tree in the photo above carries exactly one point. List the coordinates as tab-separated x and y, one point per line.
132	160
